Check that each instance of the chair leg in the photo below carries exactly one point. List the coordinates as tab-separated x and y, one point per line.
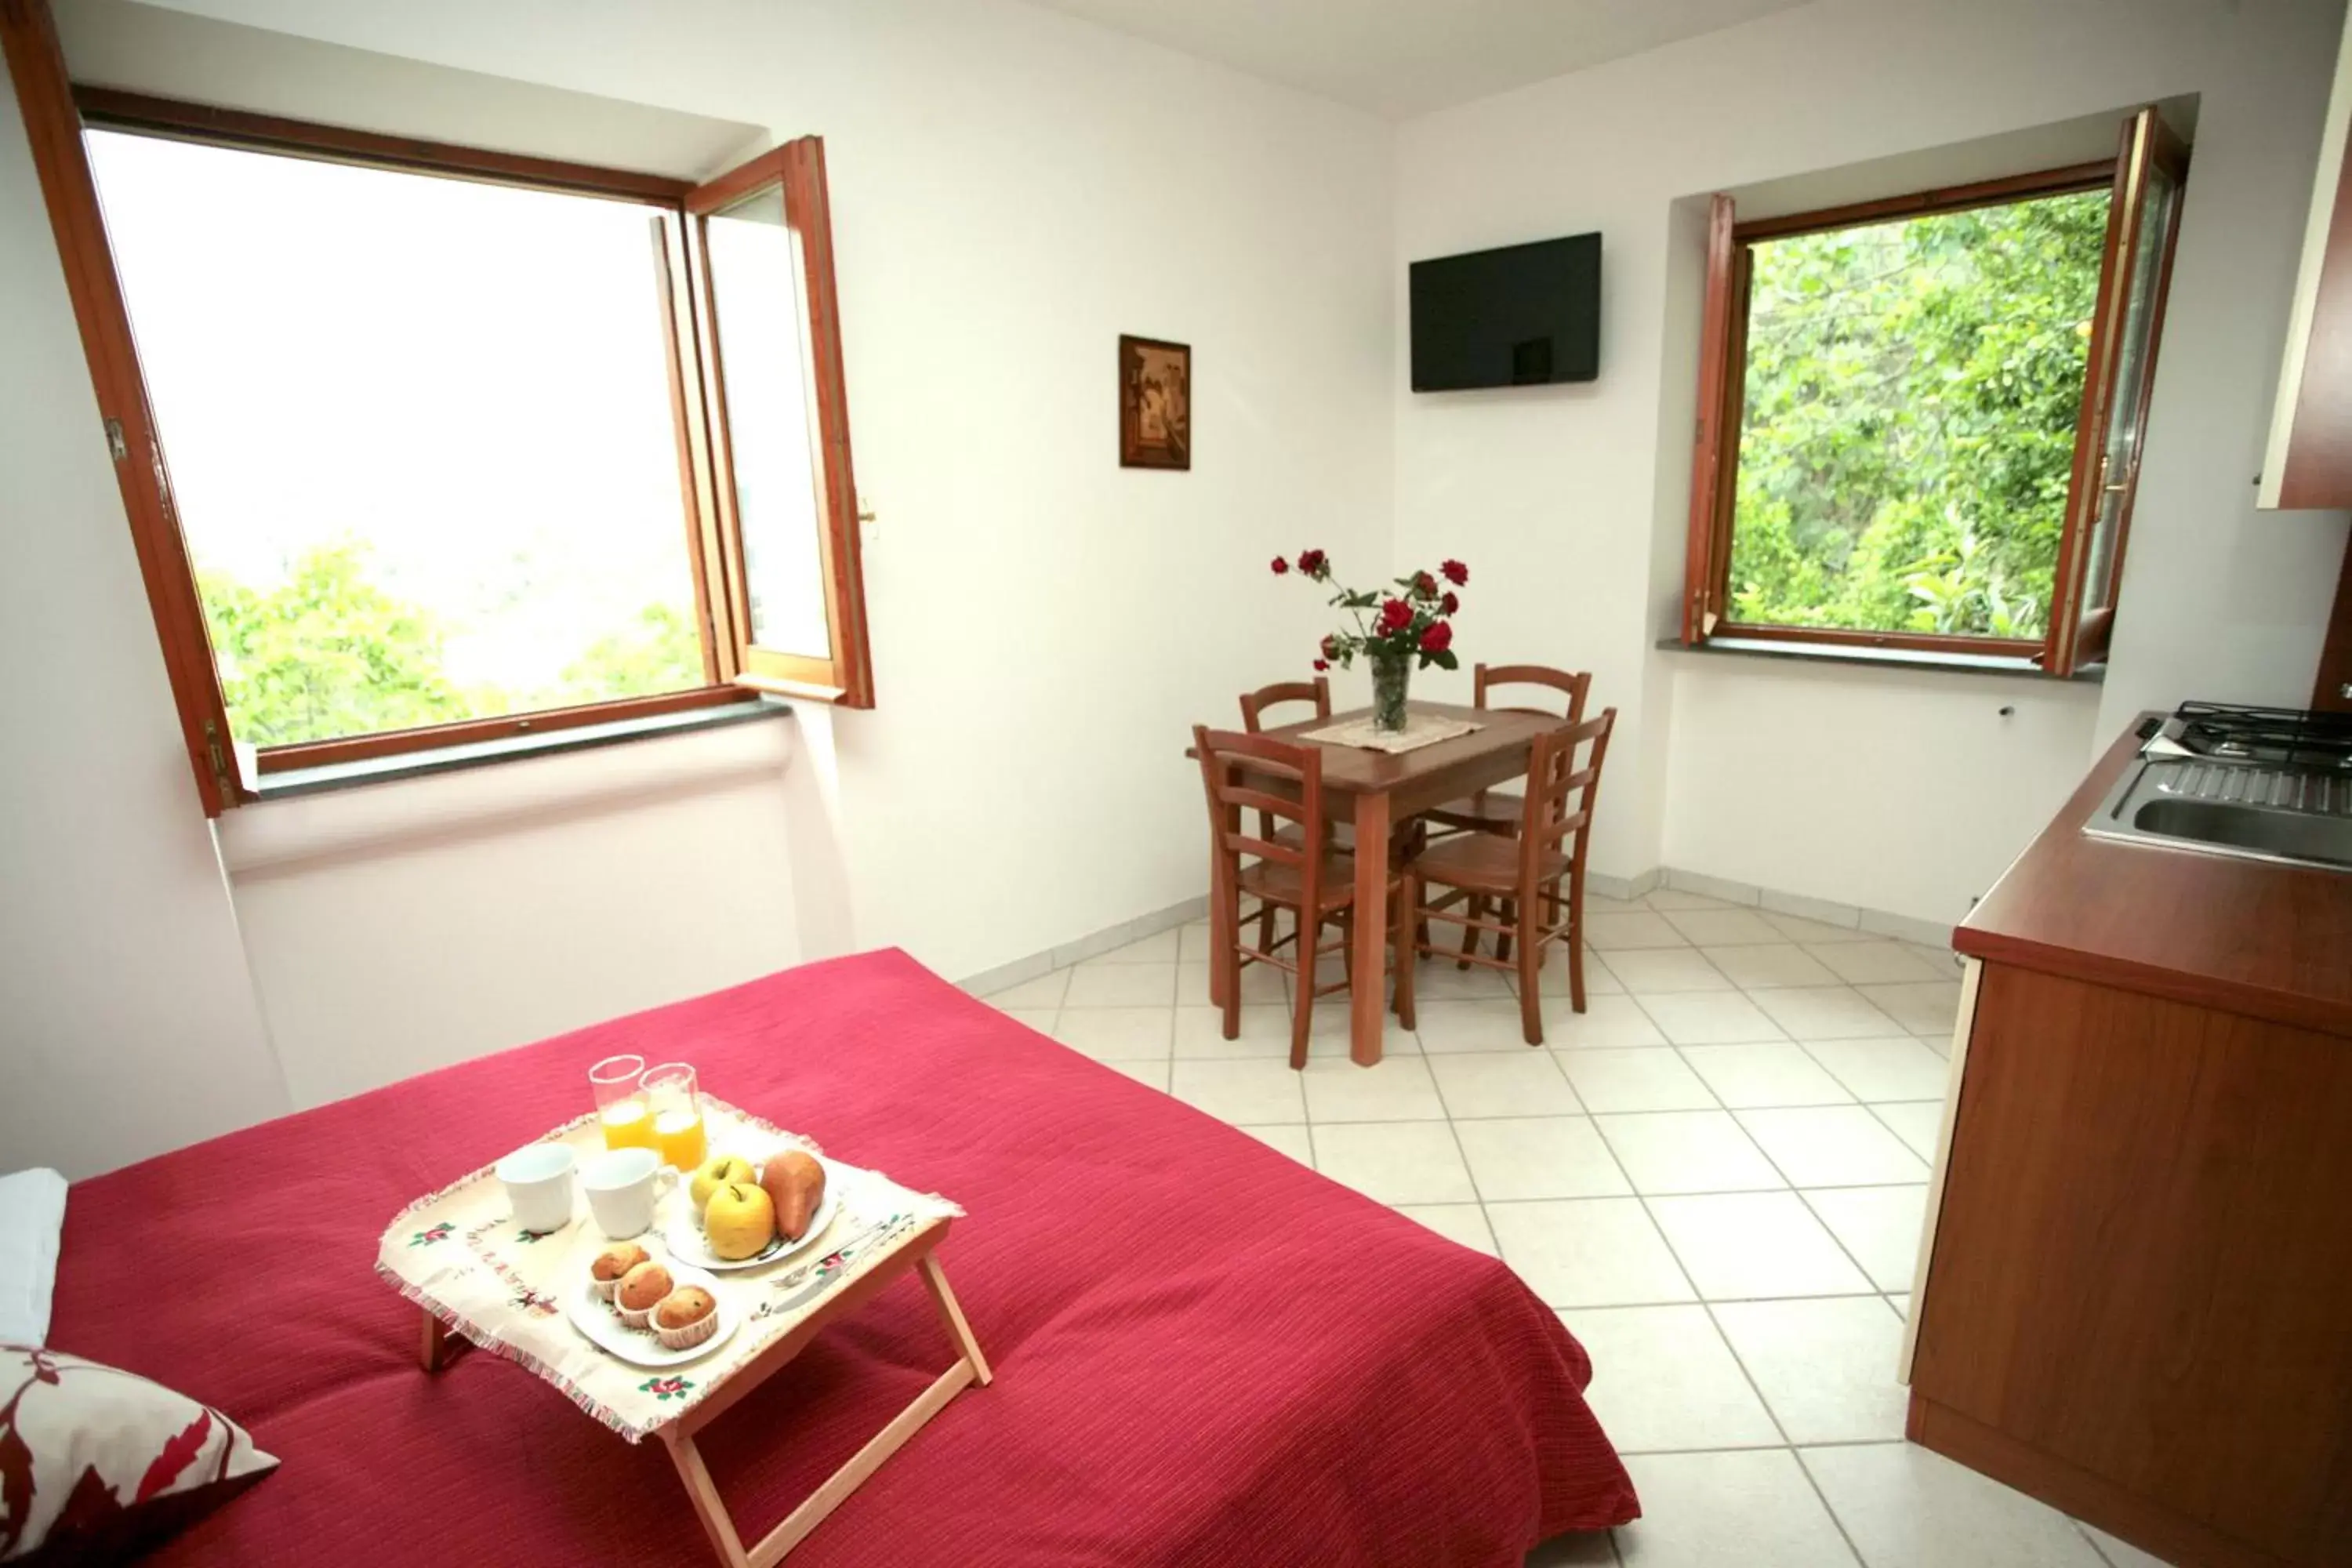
1230	964
1508	913
1266	915
1477	911
1575	910
1530	961
1224	949
1347	950
1302	1006
1407	915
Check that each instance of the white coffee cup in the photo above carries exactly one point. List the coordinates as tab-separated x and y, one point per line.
622	1187
538	1185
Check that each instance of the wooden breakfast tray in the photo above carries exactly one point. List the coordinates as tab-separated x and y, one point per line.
458	1255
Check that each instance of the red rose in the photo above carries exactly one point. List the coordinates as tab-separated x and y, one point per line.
1424	586
1395	615
1280	565
1312	561
1448	604
1455	573
1436	637
1330	648
1322	663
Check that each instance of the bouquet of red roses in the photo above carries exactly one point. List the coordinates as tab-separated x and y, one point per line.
1416	620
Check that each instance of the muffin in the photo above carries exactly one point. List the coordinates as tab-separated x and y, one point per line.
685	1316
641	1291
605	1274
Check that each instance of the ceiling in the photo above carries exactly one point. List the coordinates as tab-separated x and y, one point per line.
1402	57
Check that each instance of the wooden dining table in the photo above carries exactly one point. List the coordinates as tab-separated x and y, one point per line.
1378	790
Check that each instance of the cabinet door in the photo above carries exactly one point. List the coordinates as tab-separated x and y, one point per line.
2309	462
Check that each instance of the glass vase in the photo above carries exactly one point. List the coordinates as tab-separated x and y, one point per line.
1391	674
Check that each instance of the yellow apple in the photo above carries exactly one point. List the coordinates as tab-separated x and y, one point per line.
740	1220
716	1173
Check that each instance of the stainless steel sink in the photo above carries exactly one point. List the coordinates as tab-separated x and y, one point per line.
2257	811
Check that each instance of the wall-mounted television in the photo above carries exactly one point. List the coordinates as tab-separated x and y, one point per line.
1525	315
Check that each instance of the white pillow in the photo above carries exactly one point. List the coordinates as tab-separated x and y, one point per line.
32	1213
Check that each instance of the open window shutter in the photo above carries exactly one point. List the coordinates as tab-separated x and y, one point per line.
1720	383
2142	221
779	427
53	127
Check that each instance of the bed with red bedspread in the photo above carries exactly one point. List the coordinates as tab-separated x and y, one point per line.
1205	1354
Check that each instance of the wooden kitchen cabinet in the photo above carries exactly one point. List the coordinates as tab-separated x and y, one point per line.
2309	460
2136	1302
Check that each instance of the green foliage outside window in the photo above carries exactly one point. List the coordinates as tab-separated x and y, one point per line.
328	653
1911	397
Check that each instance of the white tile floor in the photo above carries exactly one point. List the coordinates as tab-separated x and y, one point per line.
1715	1174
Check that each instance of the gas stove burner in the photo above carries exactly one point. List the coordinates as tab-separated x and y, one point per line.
2290	736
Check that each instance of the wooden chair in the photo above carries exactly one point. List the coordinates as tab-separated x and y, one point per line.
1304	874
1498	811
1316	691
1406	837
1525	871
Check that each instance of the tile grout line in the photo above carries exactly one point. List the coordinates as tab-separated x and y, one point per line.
1813	1481
1815	1215
1795	1455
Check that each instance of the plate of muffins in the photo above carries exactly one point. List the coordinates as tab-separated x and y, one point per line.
649	1311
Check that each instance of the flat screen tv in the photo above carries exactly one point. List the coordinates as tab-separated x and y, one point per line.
1525	315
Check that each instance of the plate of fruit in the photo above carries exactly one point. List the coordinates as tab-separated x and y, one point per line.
737	1214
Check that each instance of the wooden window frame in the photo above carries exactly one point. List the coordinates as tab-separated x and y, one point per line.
56	111
1722	408
845	679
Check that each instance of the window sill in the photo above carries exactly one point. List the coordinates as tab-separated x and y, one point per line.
297	782
2003	665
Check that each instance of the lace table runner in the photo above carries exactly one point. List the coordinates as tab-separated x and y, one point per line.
1419	730
459	1255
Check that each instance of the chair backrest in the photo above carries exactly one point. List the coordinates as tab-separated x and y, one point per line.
1570	683
1560	794
1280	781
1254	703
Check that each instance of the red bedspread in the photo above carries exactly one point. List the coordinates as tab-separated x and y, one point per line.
1205	1354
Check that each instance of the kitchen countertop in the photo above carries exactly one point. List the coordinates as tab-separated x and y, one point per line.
2243	936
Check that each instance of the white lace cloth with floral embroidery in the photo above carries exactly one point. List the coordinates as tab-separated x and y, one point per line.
459	1254
1419	730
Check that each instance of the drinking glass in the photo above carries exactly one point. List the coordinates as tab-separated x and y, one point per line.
620	1104
677	1104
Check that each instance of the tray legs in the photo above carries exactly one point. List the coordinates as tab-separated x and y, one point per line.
438	1344
971	1367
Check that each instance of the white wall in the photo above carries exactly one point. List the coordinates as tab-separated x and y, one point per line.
1899	792
404	927
127	1026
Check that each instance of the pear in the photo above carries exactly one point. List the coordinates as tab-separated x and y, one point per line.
795	1183
716	1173
739	1222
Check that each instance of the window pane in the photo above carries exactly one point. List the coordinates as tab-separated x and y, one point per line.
754	261
1911	395
2134	351
419	432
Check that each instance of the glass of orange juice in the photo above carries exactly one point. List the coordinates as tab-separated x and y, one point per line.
677	1103
620	1105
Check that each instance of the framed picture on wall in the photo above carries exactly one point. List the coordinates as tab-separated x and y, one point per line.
1155	404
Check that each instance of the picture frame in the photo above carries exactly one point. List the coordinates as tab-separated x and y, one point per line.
1155	404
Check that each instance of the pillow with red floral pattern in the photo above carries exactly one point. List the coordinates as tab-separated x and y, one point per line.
96	1464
